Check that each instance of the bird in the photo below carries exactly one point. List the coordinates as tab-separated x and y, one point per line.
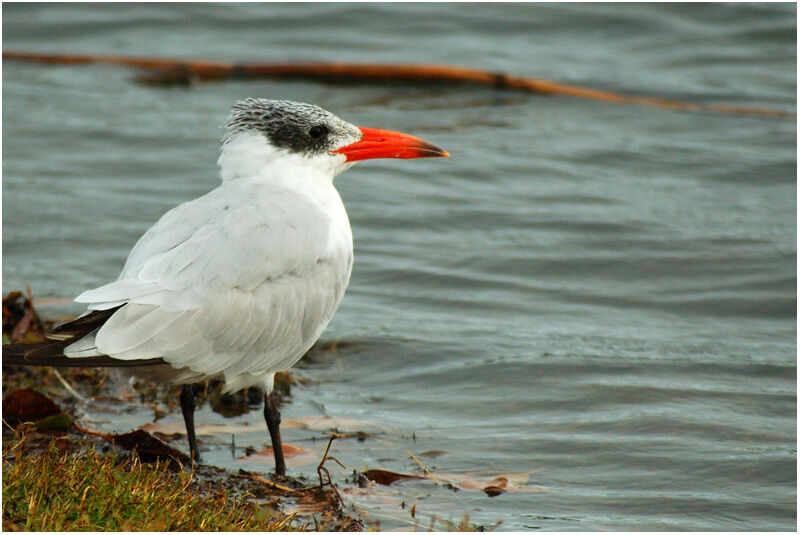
239	283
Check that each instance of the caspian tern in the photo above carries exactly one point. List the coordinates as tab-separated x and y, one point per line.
237	284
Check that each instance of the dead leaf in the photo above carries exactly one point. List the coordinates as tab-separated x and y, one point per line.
493	491
288	451
57	422
146	446
432	453
385	477
326	423
499	481
511	482
169	428
27	405
295	456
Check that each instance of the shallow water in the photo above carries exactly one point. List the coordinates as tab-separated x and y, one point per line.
596	300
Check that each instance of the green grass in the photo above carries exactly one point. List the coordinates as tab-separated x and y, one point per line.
101	492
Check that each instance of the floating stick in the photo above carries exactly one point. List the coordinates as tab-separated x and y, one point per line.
424	468
175	71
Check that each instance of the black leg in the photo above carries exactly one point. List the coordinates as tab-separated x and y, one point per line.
273	419
187	408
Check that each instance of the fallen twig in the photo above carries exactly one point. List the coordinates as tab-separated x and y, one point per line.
67	386
265	481
176	71
321	467
424	468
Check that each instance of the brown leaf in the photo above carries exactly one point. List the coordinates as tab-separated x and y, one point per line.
493	491
146	446
288	451
326	423
499	481
295	456
27	405
169	428
510	482
385	477
432	453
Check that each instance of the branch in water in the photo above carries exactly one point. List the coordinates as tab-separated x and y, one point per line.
174	71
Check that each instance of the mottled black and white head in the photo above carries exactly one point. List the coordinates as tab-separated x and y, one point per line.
280	137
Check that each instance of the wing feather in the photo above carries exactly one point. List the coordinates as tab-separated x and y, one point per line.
241	289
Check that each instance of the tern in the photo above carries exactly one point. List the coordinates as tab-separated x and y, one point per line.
237	284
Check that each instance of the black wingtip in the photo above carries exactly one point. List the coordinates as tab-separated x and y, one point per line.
51	352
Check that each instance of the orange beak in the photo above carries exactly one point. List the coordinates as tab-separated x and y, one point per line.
376	143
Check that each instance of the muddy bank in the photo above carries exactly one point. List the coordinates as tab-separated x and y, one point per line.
68	411
40	406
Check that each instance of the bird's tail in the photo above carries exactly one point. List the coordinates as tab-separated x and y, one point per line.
51	351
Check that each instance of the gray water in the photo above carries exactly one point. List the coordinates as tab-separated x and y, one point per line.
597	301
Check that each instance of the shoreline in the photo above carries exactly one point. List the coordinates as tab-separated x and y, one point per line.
251	501
41	436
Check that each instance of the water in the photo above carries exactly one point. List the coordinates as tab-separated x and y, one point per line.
595	300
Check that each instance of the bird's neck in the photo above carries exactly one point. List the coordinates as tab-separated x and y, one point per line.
248	156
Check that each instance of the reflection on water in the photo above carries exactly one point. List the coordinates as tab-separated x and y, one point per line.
595	302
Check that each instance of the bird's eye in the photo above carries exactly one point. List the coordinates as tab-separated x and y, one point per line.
318	132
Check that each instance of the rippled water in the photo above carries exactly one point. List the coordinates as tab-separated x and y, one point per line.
595	300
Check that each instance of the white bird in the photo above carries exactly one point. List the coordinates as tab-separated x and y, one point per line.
237	284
